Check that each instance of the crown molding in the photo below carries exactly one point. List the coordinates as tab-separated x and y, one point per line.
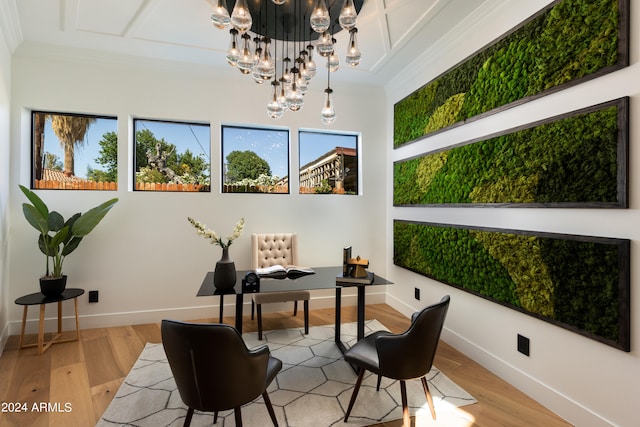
10	24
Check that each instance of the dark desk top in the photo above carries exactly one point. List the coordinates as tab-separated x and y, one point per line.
39	298
324	278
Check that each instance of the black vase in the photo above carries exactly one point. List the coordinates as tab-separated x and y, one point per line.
52	287
224	275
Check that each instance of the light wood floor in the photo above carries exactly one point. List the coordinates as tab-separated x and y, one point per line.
79	379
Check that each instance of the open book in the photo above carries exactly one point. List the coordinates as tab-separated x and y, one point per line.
280	271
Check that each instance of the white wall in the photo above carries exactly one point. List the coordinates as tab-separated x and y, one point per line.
145	258
5	93
586	382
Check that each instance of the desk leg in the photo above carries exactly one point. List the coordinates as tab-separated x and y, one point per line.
221	306
239	301
360	312
338	338
24	324
41	330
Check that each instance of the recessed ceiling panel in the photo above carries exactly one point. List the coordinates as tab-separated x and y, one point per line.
106	17
183	22
402	16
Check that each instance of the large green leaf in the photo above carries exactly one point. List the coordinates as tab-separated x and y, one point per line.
87	221
37	201
35	218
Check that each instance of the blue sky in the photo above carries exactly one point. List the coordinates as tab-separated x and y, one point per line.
271	145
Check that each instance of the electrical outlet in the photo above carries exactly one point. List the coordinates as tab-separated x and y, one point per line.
417	293
523	345
93	296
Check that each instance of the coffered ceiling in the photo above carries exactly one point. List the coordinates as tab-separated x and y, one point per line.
391	32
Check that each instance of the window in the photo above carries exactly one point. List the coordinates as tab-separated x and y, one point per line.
172	156
255	160
328	163
74	151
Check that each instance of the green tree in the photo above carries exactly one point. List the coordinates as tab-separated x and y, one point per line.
187	166
51	161
108	157
245	164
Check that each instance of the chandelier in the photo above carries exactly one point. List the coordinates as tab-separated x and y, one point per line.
274	41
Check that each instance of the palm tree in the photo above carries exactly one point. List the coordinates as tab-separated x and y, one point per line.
71	131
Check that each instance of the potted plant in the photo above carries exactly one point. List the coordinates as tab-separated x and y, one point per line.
58	238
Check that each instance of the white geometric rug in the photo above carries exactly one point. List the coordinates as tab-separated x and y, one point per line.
312	389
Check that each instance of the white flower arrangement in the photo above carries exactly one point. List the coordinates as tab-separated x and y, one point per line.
213	236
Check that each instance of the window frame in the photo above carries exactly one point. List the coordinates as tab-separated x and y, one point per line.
354	163
72	185
171	187
270	189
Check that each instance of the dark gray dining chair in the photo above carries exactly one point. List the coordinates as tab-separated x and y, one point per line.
402	357
213	369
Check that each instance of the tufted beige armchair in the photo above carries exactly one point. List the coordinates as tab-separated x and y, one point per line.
272	249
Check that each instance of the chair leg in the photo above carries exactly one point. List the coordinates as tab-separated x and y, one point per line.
238	414
306	317
253	305
427	393
406	420
259	313
295	308
215	417
356	388
379	381
267	402
187	419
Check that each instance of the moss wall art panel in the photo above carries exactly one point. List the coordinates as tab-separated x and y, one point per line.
566	43
574	160
576	282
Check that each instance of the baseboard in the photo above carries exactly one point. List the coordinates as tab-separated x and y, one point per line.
552	399
180	313
4	337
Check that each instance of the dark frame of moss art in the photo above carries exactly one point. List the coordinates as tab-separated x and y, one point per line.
580	283
566	43
574	160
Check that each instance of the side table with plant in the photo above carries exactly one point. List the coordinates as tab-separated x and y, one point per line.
58	238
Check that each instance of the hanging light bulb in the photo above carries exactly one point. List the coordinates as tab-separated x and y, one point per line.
278	2
325	44
220	16
287	74
257	53
266	68
233	53
245	61
241	17
333	62
348	15
328	113
320	19
282	97
353	53
294	96
275	110
311	64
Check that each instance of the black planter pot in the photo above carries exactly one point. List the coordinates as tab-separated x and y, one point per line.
52	287
224	275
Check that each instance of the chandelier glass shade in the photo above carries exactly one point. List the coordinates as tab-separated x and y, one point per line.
275	41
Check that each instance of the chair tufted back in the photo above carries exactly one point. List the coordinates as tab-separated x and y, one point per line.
272	249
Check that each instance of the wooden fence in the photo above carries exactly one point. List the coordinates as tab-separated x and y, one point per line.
152	186
112	186
42	184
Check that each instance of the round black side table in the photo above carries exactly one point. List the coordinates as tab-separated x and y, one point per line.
39	299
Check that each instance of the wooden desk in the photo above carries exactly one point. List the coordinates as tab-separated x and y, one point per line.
324	278
39	299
